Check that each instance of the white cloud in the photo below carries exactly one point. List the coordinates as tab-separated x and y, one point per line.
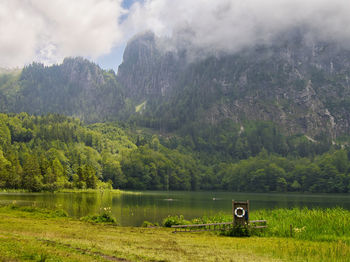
230	25
48	31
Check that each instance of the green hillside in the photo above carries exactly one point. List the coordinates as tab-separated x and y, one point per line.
53	152
269	119
76	88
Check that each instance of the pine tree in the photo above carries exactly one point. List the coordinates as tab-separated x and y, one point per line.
32	178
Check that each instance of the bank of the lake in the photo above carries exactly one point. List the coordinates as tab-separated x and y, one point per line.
132	208
34	234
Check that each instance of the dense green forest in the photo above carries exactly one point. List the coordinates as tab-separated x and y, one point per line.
53	152
76	88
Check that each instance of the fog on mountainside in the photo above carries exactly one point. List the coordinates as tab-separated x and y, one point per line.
303	88
52	31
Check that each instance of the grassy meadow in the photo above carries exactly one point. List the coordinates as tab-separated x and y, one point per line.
331	224
34	234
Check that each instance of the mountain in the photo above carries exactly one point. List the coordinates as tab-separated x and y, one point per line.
303	87
298	86
269	118
77	88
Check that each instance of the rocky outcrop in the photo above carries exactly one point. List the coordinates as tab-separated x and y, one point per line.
146	70
303	87
77	88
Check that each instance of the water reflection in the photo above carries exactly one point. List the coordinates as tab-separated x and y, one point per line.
133	209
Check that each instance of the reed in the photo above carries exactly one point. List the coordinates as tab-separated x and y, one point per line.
331	224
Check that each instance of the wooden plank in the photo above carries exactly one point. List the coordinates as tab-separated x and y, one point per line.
201	225
259	227
215	224
196	230
258	221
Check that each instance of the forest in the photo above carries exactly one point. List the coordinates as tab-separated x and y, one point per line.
53	152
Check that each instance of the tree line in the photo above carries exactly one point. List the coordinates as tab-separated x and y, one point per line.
53	152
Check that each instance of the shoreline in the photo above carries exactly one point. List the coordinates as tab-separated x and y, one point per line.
42	235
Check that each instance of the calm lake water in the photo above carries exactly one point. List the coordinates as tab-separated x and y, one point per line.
133	209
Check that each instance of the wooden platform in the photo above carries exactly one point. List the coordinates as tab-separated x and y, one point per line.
215	226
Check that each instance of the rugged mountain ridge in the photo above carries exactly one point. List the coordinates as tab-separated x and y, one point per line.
301	86
146	71
77	88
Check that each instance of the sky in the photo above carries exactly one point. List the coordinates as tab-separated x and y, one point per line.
48	31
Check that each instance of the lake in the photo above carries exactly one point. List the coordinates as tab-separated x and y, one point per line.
134	208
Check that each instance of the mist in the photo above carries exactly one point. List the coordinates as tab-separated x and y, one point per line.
48	31
232	25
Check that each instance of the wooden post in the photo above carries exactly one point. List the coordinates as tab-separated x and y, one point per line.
248	212
241	207
233	211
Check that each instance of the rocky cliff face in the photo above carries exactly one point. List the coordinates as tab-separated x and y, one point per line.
146	70
303	87
76	88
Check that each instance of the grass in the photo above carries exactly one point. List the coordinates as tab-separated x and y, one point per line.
34	234
90	190
113	191
2	190
332	224
66	190
103	218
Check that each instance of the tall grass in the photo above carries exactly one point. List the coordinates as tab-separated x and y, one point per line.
332	224
89	190
35	234
308	224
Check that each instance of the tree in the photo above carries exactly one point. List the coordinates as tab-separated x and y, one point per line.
281	184
5	135
295	186
90	174
32	179
155	143
58	173
5	171
112	171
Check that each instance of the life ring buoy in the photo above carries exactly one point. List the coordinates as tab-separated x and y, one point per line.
239	215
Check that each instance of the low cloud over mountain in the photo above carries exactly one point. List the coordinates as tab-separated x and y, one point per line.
47	31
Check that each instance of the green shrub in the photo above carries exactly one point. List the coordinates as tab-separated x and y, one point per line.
149	224
237	231
37	211
59	213
217	218
31	209
104	218
174	220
